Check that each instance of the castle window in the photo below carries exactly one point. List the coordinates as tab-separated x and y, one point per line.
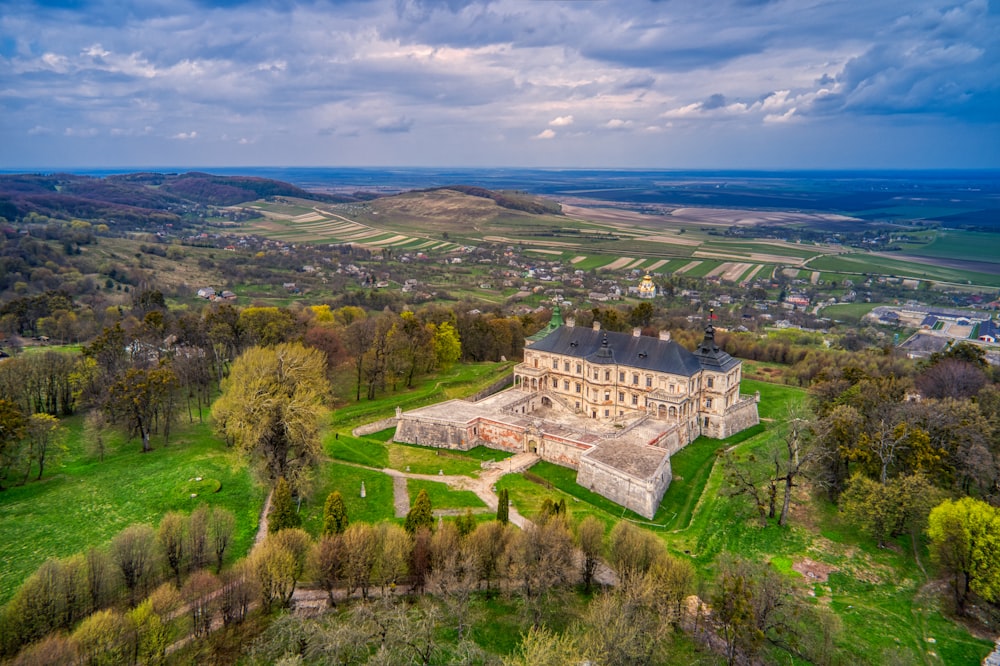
635	400
597	374
565	366
635	378
672	387
607	395
621	376
607	375
579	369
607	413
709	383
555	364
621	397
708	403
565	385
579	387
649	381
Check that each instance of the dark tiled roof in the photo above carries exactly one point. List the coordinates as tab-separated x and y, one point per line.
640	352
711	357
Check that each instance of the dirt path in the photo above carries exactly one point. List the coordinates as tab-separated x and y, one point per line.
262	524
482	487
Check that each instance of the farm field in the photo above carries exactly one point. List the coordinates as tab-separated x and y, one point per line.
612	239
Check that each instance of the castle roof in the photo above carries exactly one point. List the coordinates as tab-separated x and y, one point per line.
610	347
711	357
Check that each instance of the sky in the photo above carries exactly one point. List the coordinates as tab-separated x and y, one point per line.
673	84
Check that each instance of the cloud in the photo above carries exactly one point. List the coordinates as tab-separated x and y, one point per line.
475	80
393	125
186	136
618	124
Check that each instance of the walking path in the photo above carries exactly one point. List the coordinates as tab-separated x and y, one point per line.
483	486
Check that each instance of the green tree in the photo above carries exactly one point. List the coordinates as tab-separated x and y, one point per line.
335	519
503	506
133	550
447	345
221	524
421	513
965	543
590	541
271	408
139	397
283	514
12	426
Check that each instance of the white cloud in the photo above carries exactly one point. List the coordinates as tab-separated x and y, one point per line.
785	117
186	136
561	121
545	134
84	132
618	123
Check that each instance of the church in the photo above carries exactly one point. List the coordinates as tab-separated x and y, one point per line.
614	406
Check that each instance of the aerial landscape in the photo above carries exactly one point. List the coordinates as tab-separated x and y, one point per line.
499	333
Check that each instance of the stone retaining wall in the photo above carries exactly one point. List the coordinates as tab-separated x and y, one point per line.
495	387
640	495
375	426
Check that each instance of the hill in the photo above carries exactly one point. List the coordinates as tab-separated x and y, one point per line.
138	197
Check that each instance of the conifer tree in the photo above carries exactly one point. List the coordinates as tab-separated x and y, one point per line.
335	514
421	513
503	506
283	513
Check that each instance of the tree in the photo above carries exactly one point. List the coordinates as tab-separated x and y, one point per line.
360	557
503	506
965	543
543	647
421	513
447	345
271	407
106	638
590	541
326	563
221	524
133	550
272	567
283	514
12	426
139	397
94	425
172	538
335	519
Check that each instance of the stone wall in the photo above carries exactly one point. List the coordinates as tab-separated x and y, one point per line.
640	495
433	433
495	387
740	416
375	426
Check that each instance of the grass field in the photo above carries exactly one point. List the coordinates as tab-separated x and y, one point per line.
848	312
83	502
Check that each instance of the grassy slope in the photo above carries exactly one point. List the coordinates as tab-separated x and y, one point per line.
879	596
84	502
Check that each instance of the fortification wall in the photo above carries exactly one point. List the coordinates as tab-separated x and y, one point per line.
425	432
640	495
740	416
495	387
375	426
562	451
501	436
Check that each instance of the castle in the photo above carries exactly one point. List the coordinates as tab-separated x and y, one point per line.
611	405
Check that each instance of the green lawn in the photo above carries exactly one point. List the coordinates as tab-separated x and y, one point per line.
426	460
443	497
848	312
377	504
84	502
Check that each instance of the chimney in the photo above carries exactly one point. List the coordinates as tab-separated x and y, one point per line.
571	321
597	325
636	331
665	336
